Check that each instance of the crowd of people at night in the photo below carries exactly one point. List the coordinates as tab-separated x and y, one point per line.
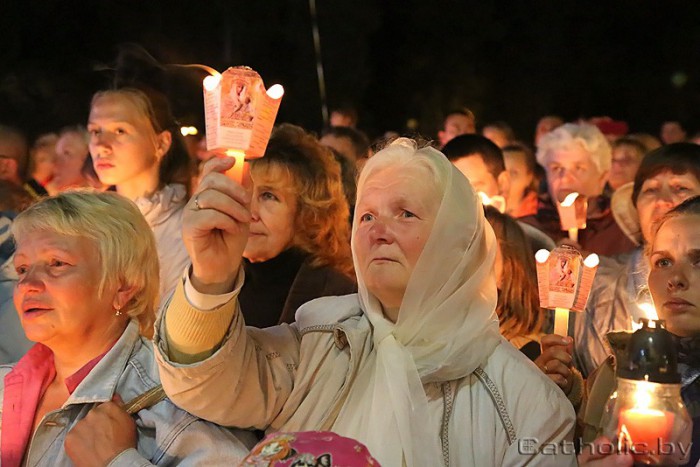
349	302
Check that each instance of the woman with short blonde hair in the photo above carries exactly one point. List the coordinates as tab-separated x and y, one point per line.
87	284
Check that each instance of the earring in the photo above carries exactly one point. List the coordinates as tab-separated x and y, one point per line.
118	311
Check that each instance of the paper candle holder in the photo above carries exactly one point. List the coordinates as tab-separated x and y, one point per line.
497	201
572	211
239	114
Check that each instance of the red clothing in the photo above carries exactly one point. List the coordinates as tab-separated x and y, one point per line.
527	207
25	385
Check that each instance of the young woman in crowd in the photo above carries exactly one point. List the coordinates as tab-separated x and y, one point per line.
299	240
136	147
518	309
413	366
674	282
86	293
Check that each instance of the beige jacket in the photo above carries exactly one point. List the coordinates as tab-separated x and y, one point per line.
296	377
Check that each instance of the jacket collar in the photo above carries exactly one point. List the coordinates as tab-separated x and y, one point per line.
100	385
159	207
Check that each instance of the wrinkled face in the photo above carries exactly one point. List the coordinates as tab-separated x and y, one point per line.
56	295
476	171
273	210
572	170
455	125
661	193
520	177
71	152
625	162
394	216
123	143
674	279
672	132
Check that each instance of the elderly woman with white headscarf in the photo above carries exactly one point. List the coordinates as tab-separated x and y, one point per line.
413	365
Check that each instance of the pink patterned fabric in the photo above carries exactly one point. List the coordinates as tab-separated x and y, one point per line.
309	449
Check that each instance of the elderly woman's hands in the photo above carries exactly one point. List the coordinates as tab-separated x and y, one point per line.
556	360
215	227
102	435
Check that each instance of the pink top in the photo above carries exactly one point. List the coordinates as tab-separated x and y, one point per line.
24	387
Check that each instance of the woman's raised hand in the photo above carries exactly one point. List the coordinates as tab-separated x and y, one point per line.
215	227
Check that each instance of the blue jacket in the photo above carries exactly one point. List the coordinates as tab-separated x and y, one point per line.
166	435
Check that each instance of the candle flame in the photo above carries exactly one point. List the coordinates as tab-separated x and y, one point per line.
189	130
643	394
276	91
569	200
649	312
212	81
541	256
591	261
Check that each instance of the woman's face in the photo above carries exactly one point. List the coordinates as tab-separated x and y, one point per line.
661	193
674	279
273	210
56	295
394	217
123	144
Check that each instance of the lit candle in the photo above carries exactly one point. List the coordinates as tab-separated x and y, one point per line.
641	427
645	428
236	172
568	205
561	321
497	201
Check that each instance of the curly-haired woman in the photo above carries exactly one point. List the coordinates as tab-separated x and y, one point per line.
299	243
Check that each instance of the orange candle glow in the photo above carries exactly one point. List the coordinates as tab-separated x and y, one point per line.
644	429
236	172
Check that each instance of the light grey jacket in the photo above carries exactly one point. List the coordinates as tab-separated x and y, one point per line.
297	377
166	435
617	290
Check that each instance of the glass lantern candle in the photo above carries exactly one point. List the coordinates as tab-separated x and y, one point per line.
646	415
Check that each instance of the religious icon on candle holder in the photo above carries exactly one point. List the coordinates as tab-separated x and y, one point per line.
564	281
645	415
239	114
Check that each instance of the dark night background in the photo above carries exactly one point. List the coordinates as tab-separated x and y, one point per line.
394	60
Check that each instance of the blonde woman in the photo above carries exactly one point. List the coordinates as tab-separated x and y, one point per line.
88	284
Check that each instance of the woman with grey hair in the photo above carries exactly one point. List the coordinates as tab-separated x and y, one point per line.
576	158
413	365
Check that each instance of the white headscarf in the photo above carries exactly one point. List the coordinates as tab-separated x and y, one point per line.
447	325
